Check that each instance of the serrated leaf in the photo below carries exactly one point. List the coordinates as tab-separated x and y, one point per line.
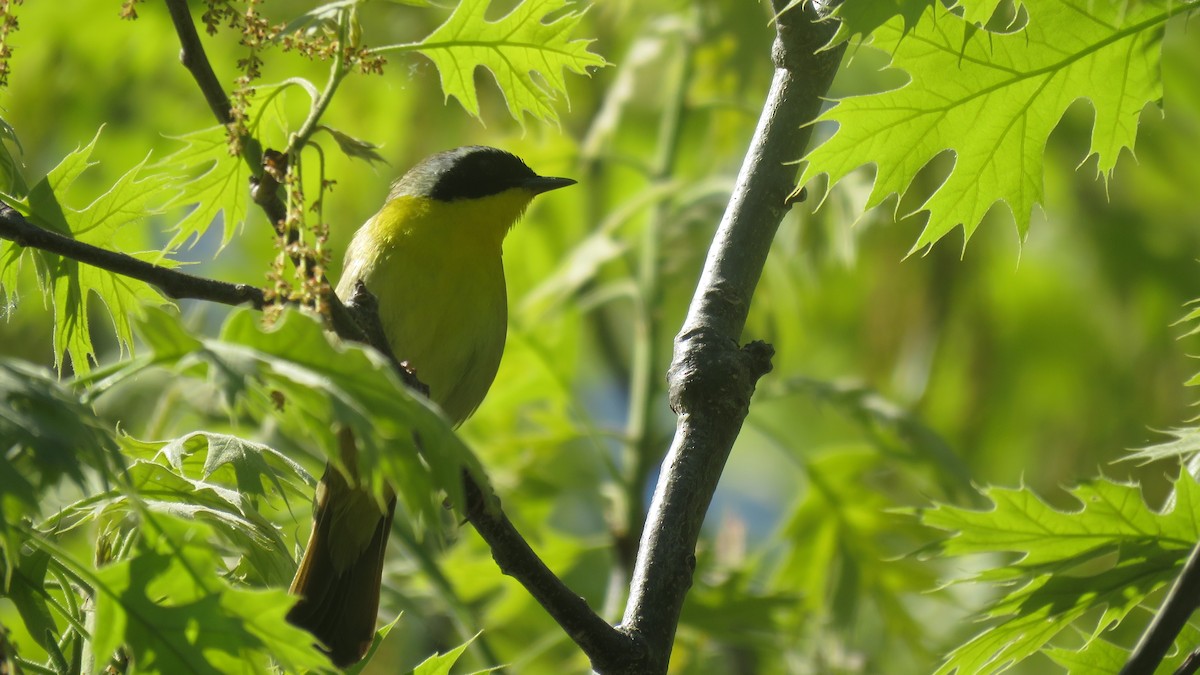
1035	613
513	49
440	664
68	283
293	373
994	101
1185	447
218	185
263	558
861	18
1112	513
1109	555
249	467
176	615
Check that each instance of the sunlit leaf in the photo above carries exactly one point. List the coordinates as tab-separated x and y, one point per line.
217	185
175	614
1107	556
994	102
69	284
293	373
440	664
513	49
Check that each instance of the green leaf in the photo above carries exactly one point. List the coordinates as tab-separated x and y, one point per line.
217	185
164	334
291	372
1112	513
12	181
440	664
1034	614
1098	657
1102	657
263	556
837	564
993	102
222	480
1109	556
375	642
1184	447
46	433
250	468
863	18
68	283
513	49
25	587
173	612
354	147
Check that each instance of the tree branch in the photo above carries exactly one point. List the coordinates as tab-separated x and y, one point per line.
173	283
192	56
609	649
1181	602
264	188
711	379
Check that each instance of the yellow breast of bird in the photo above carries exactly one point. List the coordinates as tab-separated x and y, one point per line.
437	272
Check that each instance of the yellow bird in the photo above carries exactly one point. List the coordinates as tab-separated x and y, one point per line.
432	258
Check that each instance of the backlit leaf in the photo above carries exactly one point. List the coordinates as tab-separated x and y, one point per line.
993	99
69	284
513	49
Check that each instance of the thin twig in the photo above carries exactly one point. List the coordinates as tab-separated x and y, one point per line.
711	378
173	283
609	650
1181	602
264	189
192	56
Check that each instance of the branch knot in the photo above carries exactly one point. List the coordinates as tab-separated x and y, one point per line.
711	375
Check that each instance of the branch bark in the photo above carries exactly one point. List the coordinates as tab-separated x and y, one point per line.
1181	602
711	378
173	283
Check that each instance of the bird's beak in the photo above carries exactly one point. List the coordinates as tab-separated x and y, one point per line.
539	184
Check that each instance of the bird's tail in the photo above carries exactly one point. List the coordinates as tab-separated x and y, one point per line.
338	578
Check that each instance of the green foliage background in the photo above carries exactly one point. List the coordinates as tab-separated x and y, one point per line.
899	379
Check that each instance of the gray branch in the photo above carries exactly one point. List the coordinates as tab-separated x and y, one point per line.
711	378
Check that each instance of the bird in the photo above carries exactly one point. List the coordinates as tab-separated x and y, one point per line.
432	258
